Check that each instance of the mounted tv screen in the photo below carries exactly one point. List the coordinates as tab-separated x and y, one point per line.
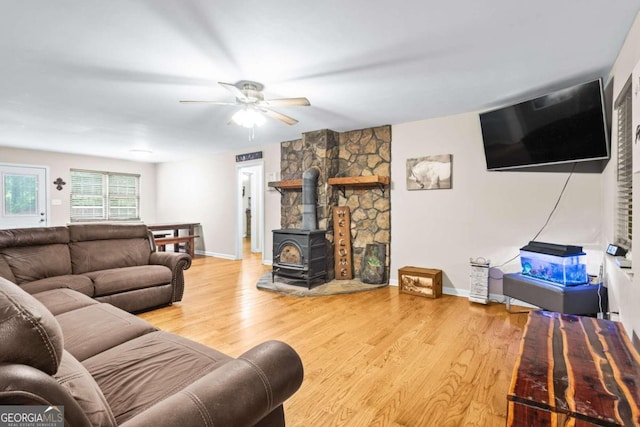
564	126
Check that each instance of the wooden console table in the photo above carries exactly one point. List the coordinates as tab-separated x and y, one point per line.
173	236
574	371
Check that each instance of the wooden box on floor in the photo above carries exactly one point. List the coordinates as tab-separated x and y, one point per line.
425	282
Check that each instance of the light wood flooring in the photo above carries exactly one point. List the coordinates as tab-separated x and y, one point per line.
377	358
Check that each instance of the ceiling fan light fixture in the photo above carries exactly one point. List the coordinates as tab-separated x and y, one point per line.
248	118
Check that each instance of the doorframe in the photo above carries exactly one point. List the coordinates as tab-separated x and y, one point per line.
45	186
256	167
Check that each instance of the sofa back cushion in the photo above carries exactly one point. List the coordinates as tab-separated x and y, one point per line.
96	247
5	270
34	253
29	333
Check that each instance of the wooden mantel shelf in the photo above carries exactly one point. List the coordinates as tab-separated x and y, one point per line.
355	181
292	184
341	183
359	181
280	186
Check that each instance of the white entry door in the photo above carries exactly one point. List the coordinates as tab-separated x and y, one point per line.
24	198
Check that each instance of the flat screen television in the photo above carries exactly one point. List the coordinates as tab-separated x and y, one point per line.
564	126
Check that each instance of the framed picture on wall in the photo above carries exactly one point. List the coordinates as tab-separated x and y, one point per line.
429	173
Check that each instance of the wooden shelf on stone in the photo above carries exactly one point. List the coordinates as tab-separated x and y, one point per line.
360	181
280	186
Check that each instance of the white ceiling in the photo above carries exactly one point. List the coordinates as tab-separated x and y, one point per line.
105	77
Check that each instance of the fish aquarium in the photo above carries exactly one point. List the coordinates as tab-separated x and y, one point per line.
559	264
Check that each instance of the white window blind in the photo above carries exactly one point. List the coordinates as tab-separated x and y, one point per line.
624	203
104	196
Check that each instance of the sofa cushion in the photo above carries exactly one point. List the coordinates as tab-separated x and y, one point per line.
135	375
95	328
29	263
5	270
77	282
82	387
99	255
60	301
116	280
29	333
87	232
140	299
104	246
33	236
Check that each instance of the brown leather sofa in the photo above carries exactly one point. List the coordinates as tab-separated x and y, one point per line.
107	367
112	263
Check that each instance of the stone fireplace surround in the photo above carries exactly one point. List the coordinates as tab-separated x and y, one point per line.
353	153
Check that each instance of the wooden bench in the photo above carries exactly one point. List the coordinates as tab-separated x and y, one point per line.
178	241
574	370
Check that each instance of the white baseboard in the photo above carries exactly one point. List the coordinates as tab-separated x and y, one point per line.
216	254
464	293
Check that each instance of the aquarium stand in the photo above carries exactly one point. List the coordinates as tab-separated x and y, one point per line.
580	299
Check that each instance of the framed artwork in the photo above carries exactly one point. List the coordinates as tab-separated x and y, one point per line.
429	173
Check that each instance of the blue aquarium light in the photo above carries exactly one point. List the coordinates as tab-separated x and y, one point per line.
559	264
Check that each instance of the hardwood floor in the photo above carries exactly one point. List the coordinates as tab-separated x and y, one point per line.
376	358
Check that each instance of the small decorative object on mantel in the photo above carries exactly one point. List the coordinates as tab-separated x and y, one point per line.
59	183
374	263
429	173
426	282
342	240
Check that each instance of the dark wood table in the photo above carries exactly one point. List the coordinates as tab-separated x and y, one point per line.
574	370
169	233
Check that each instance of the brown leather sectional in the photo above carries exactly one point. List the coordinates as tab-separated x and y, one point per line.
64	341
112	263
107	367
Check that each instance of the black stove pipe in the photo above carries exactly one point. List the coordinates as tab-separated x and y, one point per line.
309	188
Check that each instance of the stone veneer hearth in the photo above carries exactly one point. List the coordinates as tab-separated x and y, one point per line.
353	153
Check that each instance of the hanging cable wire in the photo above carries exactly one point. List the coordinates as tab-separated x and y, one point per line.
550	214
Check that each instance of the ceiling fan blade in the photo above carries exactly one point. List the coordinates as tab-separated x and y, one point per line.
208	102
234	90
286	102
279	116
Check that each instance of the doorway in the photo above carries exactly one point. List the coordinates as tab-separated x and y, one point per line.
250	208
24	196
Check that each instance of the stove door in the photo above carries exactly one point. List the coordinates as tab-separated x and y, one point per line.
290	255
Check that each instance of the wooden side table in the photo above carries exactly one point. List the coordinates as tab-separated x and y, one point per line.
573	370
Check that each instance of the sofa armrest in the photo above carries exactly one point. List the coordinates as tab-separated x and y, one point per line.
239	393
26	385
177	263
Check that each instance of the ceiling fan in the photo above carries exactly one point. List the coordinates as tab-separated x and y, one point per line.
249	96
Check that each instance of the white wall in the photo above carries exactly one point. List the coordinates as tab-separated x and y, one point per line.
204	190
623	292
485	214
272	199
201	190
59	165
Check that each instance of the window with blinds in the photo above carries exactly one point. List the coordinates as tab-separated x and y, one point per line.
624	203
104	196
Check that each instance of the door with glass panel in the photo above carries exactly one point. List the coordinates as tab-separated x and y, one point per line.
24	198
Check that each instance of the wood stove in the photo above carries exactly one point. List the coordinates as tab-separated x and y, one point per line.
302	254
299	254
